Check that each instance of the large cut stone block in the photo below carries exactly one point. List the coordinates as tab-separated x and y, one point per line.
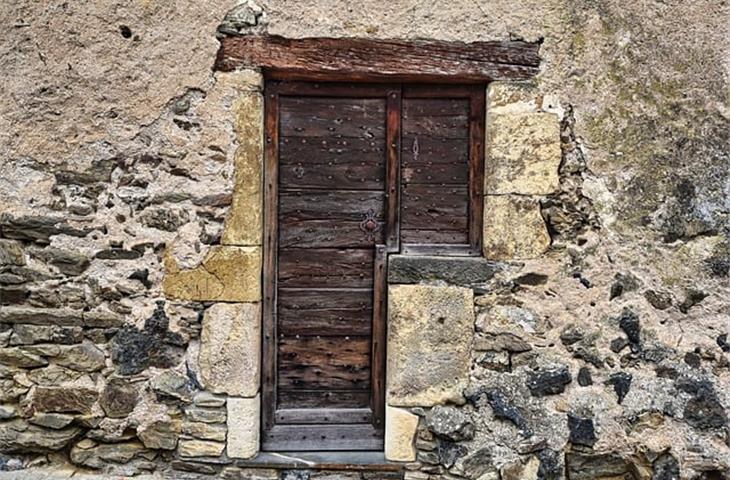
243	427
227	274
430	332
513	228
400	431
243	225
230	346
522	154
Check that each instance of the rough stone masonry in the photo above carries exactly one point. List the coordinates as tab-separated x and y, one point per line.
592	343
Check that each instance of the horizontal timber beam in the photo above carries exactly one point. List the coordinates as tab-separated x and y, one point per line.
354	59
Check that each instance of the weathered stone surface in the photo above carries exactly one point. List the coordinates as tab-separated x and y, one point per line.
513	228
26	334
207	399
243	427
86	357
521	471
522	154
11	253
62	399
400	432
592	466
56	421
501	342
66	261
18	357
455	270
41	316
199	448
93	455
205	431
160	434
582	431
450	423
7	412
228	274
119	397
172	384
243	224
18	436
429	342
206	415
37	228
230	345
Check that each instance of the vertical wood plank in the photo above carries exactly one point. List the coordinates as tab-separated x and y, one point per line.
477	118
393	168
269	347
377	368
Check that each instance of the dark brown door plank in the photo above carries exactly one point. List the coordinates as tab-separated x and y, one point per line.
317	398
304	416
323	437
325	267
336	205
308	312
332	117
324	362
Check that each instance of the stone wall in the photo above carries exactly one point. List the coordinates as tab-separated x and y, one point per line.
591	344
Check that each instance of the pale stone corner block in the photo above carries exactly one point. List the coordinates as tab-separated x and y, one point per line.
243	225
523	154
430	333
512	97
230	343
400	433
227	274
513	228
243	427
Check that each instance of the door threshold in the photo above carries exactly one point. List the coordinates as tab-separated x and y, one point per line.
350	460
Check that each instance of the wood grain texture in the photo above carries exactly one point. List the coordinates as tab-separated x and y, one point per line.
375	60
308	312
326	267
324	362
317	398
323	437
304	416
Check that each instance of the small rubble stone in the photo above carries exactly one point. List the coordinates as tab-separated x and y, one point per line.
160	435
243	426
205	431
19	357
665	467
26	334
119	398
93	455
595	466
400	430
629	323
450	452
207	399
11	253
205	415
657	299
502	408
582	431
67	262
621	382
584	377
19	436
85	357
199	448
450	423
692	298
503	341
37	229
66	399
56	421
549	381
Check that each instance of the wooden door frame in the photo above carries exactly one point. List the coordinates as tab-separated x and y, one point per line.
272	91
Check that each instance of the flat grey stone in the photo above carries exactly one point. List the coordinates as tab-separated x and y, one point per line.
454	270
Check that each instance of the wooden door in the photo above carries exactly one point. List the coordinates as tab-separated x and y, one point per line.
328	173
353	173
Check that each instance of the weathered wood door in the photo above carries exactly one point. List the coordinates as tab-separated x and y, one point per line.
338	201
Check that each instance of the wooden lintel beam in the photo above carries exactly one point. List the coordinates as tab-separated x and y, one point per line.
388	60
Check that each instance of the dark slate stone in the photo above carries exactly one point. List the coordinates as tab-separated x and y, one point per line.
551	467
658	300
532	279
454	270
629	323
722	342
571	334
295	475
623	282
68	262
118	254
549	381
621	382
13	295
618	344
478	463
449	452
590	355
502	408
665	467
584	377
134	350
582	431
693	298
118	398
37	228
693	359
704	410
